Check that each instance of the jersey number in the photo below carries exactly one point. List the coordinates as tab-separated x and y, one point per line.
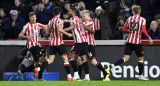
135	26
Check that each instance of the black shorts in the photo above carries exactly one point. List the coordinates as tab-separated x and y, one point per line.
36	52
136	47
80	48
60	49
91	52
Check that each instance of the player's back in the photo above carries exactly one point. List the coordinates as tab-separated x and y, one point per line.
78	31
56	37
135	25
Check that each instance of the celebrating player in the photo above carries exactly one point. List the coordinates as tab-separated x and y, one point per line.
81	45
56	41
89	33
135	25
32	30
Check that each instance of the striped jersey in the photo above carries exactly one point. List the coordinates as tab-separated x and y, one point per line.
97	24
136	25
78	31
89	35
56	37
32	30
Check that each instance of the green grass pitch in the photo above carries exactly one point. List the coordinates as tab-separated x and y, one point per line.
81	83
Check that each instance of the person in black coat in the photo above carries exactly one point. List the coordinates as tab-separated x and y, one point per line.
13	25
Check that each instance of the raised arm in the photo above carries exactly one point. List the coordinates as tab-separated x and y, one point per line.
88	28
60	28
70	28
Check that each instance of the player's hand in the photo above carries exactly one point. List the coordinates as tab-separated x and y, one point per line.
45	27
150	41
41	6
70	35
13	24
29	37
74	24
66	21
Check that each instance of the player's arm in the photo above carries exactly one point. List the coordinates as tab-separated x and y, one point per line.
146	34
23	36
60	28
70	28
88	28
125	28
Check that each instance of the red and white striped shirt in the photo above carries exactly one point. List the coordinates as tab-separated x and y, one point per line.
78	31
32	30
136	25
89	35
56	37
97	24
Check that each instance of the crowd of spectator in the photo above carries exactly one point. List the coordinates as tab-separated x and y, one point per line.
109	16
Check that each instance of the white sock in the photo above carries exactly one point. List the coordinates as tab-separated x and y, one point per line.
87	76
39	68
76	73
69	76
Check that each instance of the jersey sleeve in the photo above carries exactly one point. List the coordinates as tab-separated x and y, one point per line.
144	28
40	25
25	28
125	27
73	20
61	22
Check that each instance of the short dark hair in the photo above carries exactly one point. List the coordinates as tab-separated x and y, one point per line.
56	10
74	9
66	2
31	14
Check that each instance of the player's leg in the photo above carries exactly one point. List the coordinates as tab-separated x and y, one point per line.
43	63
127	53
139	52
63	53
80	66
74	51
21	70
83	55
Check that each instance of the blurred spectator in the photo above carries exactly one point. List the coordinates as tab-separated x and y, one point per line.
2	20
119	33
58	3
154	32
97	24
66	16
81	6
13	25
66	7
102	16
125	7
99	2
20	8
157	18
44	12
6	5
146	11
